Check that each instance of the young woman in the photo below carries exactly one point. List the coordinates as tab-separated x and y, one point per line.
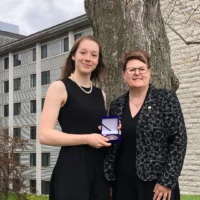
78	106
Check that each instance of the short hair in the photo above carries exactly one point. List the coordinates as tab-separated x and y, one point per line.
142	56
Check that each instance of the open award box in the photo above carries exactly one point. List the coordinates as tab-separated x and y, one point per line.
109	128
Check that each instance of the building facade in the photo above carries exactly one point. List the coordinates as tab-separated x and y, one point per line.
183	16
27	67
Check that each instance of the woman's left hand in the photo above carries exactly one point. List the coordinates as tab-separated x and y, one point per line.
161	192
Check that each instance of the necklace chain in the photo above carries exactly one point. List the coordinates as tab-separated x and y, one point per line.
135	104
87	92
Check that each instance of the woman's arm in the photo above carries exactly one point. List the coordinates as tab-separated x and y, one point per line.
104	97
177	141
55	98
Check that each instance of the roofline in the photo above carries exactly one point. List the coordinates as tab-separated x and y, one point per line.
45	34
12	34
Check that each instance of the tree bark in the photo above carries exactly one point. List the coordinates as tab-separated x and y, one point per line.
123	25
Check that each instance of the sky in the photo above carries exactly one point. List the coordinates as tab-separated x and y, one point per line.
35	15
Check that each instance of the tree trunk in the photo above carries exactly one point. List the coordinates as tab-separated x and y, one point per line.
123	25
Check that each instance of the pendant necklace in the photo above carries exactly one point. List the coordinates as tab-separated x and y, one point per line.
87	92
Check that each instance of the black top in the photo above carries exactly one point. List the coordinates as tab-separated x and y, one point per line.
82	112
126	157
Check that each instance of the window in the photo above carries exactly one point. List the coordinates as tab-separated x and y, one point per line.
16	185
16	158
6	110
32	159
34	54
66	44
17	132
6	86
17	109
17	84
45	77
42	103
17	60
6	63
33	132
45	159
44	51
33	80
33	186
76	36
33	106
45	187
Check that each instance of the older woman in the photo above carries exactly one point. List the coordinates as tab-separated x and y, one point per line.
147	163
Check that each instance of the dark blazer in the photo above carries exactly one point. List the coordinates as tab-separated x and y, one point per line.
160	137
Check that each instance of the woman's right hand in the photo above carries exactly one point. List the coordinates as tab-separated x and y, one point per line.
97	140
161	192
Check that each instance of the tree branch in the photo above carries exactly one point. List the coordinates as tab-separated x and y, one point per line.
172	10
186	42
198	56
197	22
194	10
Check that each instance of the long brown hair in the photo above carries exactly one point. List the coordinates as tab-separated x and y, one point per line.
69	66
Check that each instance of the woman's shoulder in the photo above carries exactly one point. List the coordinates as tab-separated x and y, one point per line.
56	87
162	92
121	99
58	84
95	87
164	97
99	91
56	92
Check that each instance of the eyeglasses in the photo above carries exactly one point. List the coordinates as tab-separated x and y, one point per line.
142	70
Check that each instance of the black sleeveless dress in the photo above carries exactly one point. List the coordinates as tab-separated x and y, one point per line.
78	173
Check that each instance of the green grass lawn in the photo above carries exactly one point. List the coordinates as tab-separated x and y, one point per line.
190	197
185	197
30	197
33	197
